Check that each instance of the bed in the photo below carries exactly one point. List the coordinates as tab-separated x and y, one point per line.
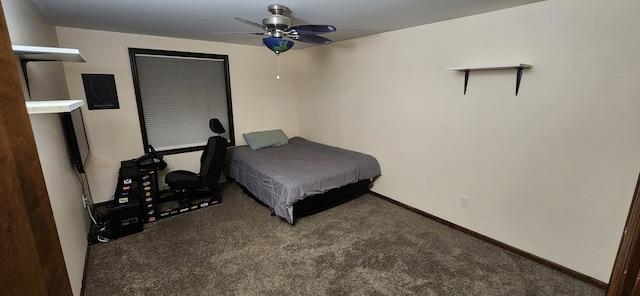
296	177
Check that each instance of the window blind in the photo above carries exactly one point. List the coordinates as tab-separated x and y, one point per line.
179	95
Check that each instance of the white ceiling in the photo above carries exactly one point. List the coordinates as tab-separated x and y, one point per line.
206	19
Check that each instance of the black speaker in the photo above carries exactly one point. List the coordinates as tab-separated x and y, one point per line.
125	220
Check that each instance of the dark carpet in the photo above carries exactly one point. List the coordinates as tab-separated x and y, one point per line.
367	246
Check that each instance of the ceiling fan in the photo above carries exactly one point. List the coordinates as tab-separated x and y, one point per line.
278	27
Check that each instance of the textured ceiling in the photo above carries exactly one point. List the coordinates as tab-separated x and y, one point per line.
207	19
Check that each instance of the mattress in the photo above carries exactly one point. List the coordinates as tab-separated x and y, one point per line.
280	176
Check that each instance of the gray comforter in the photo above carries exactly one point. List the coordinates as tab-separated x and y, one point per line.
280	176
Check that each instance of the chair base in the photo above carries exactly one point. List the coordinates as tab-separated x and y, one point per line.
186	197
171	204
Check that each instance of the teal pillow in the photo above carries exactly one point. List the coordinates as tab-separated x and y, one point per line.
264	139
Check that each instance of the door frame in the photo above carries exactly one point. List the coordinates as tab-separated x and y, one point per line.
30	252
625	276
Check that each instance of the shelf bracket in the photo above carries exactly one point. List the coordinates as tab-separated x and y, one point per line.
466	80
518	79
23	65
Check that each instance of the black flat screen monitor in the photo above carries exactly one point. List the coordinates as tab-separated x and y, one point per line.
76	138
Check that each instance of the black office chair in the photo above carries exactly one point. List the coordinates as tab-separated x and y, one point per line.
188	184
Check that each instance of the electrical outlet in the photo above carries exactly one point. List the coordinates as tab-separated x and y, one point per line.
464	201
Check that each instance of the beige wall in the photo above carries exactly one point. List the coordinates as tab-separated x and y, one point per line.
260	102
550	171
65	194
27	26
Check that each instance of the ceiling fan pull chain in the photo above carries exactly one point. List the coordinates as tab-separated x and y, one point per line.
277	66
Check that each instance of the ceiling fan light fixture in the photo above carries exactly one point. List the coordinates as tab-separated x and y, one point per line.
277	45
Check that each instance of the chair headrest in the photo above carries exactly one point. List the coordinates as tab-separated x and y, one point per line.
216	126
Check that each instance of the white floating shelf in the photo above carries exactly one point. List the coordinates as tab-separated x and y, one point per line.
41	53
57	106
44	54
466	70
490	67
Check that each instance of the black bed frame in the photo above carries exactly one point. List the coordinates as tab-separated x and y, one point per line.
320	202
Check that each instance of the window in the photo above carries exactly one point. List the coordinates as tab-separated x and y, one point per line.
177	94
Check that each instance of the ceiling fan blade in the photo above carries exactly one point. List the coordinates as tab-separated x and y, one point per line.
246	33
312	39
313	29
250	23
